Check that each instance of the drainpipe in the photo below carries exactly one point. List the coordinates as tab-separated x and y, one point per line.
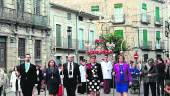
138	38
76	51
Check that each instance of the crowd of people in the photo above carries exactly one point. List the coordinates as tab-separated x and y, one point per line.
89	77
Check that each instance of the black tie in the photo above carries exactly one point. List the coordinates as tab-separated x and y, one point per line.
70	67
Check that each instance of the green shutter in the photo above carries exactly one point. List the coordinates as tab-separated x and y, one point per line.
119	33
145	37
144	6
95	8
119	5
158	35
157	14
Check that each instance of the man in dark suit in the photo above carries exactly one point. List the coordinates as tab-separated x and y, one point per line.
28	76
71	76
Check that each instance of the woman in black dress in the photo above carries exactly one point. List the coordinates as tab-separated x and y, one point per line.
94	77
52	78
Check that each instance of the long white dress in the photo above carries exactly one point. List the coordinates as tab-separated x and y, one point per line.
13	82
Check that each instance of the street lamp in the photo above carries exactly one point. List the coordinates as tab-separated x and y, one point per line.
68	38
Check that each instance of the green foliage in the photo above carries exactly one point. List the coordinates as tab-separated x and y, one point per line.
110	37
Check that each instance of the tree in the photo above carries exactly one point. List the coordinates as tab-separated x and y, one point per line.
111	38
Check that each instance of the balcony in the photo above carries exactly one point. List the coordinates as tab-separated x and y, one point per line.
8	15
145	19
74	44
146	45
118	20
159	22
63	43
161	1
159	46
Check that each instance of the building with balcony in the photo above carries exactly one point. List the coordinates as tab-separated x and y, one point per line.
139	22
23	29
72	30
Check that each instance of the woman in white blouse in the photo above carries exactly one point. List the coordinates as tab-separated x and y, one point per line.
15	82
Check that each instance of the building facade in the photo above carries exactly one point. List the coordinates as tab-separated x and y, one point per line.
72	31
139	22
23	29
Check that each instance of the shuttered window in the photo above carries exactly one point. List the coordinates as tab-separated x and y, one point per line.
145	37
58	35
37	5
158	35
118	12
95	8
119	33
144	12
157	14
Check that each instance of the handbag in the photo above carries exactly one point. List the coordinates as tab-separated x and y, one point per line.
60	90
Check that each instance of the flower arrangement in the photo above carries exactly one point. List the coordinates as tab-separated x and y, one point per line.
99	41
98	52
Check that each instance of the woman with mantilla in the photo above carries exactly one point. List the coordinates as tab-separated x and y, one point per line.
94	76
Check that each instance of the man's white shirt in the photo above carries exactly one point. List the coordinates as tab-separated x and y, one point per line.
72	68
107	69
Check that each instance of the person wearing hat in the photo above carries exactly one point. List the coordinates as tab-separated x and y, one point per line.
94	76
149	75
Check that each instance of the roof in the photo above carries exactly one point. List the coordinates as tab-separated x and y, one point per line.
78	12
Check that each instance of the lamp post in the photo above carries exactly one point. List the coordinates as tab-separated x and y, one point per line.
68	38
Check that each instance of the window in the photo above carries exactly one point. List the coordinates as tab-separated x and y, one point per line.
157	14
20	6
118	12
80	18
145	38
80	38
68	16
144	12
1	3
91	37
119	33
158	40
21	48
37	5
58	35
158	35
95	8
69	33
37	49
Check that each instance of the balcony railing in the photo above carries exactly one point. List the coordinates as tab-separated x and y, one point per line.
145	19
118	20
146	45
159	22
159	45
62	43
8	15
